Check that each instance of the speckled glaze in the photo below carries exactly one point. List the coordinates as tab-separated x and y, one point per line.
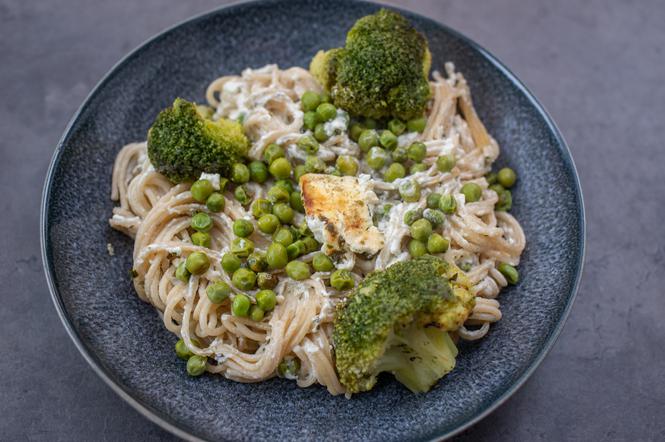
124	339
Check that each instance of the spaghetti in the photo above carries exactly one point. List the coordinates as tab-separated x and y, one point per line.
156	213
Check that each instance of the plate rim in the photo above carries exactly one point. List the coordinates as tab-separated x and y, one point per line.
163	420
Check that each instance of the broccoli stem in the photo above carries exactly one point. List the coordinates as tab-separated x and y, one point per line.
418	357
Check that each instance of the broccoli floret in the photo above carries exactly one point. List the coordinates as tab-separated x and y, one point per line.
397	320
183	143
382	70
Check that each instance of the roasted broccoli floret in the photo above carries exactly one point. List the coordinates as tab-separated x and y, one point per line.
381	71
397	320
183	143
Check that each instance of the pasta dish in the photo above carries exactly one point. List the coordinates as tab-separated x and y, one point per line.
326	224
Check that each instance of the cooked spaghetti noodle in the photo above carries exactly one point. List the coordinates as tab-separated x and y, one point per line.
156	213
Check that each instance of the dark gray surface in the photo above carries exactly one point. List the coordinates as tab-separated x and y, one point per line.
598	68
128	342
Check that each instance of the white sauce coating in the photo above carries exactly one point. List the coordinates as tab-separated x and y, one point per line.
214	179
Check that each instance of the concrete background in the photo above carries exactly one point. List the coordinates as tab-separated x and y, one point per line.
598	67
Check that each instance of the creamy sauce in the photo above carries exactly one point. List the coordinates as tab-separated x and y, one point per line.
214	179
337	125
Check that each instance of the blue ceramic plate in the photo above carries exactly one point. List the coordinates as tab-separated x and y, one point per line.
123	338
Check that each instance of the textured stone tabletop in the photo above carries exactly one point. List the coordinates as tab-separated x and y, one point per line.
598	66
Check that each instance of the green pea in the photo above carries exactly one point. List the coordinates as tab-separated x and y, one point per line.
243	228
347	165
296	202
437	243
182	273
296	249
505	202
421	229
289	368
510	272
240	306
196	365
239	173
244	279
201	222
322	263
393	172
310	120
445	163
302	230
266	300
370	123
376	158
309	101
284	212
399	155
314	164
368	139
278	194
257	262
299	171
285	184
218	292
465	266
417	248
258	172
354	131
230	262
310	244
268	223
409	190
256	313
201	190
201	239
266	280
216	202
308	144
261	207
472	192
320	133
272	152
342	280
197	263
418	167
434	216
416	124
296	232
284	236
417	152
396	126
506	177
280	168
388	140
412	216
276	256
433	200
326	111
298	270
182	351
242	247
447	204
491	178
498	188
242	195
